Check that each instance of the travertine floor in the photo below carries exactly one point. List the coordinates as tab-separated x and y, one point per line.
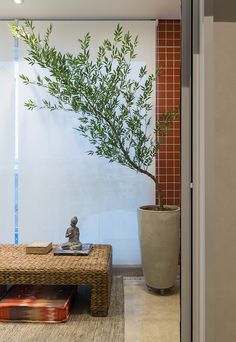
150	317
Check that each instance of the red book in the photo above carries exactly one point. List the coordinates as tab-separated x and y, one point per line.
37	303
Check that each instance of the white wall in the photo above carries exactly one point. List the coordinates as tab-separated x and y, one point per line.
57	179
214	229
221	179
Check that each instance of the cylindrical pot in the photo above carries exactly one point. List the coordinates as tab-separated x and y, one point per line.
159	235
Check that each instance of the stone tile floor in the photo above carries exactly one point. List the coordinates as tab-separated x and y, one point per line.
150	317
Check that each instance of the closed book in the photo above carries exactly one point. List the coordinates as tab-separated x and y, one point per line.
37	303
38	247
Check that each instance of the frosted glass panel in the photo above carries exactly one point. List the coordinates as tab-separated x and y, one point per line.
59	180
7	97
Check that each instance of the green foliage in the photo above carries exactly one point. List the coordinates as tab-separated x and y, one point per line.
114	110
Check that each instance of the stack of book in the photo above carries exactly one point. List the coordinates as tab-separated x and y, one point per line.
37	303
38	247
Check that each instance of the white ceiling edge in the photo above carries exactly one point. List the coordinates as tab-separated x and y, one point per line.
92	9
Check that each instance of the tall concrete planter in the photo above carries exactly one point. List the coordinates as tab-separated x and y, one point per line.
159	235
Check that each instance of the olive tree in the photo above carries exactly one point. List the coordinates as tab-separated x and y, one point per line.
114	110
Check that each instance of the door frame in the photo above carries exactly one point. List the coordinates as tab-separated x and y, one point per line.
196	78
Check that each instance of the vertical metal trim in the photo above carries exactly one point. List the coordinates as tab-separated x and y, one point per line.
207	183
198	174
201	177
199	167
186	235
16	161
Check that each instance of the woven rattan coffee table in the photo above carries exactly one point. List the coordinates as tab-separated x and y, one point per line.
17	267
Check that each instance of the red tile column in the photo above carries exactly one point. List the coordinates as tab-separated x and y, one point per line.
168	98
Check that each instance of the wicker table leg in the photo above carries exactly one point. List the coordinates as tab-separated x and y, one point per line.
99	301
100	297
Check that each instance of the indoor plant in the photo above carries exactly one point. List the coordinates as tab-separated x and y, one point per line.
114	115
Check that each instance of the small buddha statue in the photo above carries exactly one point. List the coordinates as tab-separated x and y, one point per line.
73	234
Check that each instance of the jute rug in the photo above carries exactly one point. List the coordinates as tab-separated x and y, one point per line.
81	327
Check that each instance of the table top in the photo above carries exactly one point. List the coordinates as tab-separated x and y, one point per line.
13	258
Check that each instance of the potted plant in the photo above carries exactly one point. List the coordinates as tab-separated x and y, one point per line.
114	115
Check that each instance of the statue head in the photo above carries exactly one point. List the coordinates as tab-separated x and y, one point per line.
74	221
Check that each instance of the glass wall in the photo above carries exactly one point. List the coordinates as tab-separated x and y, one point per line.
57	179
7	135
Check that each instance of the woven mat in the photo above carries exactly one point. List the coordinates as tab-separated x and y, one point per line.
80	327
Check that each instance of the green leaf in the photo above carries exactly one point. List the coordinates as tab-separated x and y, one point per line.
30	105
